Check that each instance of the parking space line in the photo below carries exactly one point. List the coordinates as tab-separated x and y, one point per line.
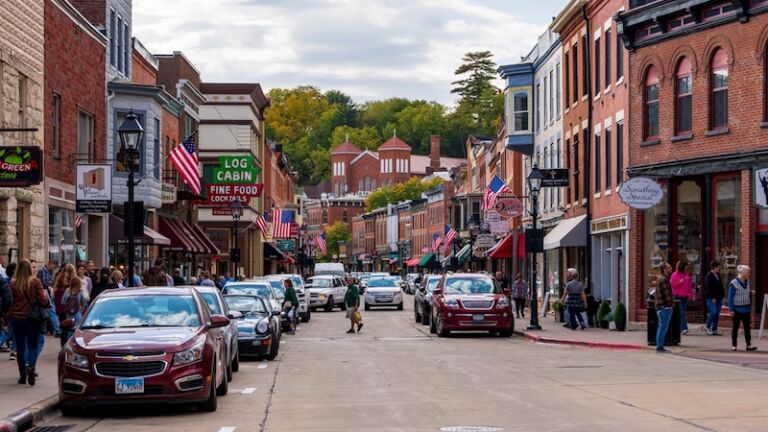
262	366
227	429
249	390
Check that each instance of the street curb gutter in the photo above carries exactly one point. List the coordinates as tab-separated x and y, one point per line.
588	344
27	417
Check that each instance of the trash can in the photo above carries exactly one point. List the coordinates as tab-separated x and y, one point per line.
673	332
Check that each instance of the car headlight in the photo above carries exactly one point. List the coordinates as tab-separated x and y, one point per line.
502	303
323	295
190	355
452	303
74	359
262	327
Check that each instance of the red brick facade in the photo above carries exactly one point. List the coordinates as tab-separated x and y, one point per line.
142	72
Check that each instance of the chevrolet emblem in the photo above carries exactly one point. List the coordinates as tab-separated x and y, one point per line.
130	357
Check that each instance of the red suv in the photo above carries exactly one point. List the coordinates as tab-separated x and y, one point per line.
144	345
474	302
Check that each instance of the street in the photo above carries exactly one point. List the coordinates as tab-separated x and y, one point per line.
395	376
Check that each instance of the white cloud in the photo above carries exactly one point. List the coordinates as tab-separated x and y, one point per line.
370	49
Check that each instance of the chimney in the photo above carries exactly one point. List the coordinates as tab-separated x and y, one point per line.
434	152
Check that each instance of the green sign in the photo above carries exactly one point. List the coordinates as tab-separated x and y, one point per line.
285	245
235	170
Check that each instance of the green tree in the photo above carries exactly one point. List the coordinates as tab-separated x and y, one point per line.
380	113
480	71
417	122
337	233
410	190
367	137
346	106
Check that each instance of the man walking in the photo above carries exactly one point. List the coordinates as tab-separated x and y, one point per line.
740	301
352	299
664	302
519	293
713	297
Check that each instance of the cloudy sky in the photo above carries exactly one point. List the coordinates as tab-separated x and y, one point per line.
370	49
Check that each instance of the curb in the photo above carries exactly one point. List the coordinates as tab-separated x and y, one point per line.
27	417
581	343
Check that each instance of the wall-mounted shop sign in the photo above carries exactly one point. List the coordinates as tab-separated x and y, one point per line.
555	177
20	166
235	170
609	224
510	207
94	188
641	193
225	194
168	193
761	187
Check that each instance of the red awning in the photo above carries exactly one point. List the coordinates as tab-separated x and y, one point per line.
504	249
413	262
210	248
181	240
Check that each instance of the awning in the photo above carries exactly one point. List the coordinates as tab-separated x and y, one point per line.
210	248
503	249
464	253
427	259
181	238
273	253
568	233
150	237
413	262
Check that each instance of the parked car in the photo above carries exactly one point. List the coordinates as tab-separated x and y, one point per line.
470	302
335	269
326	292
258	328
412	284
298	282
218	306
383	291
260	288
422	299
152	345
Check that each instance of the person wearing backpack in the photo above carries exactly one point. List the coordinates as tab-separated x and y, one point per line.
26	316
75	300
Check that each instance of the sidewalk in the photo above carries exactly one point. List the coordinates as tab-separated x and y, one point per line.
23	402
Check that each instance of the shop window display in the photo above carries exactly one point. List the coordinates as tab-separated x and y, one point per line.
728	220
656	243
689	229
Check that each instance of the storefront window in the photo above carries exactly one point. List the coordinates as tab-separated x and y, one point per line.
656	241
553	271
689	213
728	225
61	235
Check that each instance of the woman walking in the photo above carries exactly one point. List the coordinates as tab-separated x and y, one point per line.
740	302
63	280
682	289
75	300
519	294
291	304
27	290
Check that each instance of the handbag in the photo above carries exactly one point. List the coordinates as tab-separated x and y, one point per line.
358	316
37	313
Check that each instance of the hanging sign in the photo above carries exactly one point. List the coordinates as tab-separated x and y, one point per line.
761	187
94	188
20	166
510	207
235	170
641	193
555	177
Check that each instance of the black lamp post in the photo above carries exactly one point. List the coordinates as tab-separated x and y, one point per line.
474	231
237	212
131	133
534	186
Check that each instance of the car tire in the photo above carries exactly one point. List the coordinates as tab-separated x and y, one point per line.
312	309
432	328
509	331
329	305
367	307
400	306
416	314
223	388
343	305
70	411
210	404
441	331
230	372
274	349
305	316
236	362
425	317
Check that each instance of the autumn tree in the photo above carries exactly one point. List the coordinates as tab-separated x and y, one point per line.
410	190
334	234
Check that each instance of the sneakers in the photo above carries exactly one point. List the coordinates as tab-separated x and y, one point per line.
751	348
13	355
733	348
581	326
717	333
709	332
684	332
662	351
359	327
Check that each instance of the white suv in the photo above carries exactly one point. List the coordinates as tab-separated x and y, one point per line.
327	292
301	291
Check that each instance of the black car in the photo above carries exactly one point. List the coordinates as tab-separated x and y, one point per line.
422	299
258	331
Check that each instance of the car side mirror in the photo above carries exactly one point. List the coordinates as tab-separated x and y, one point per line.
235	315
276	313
68	324
219	321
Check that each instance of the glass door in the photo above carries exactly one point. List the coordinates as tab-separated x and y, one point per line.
688	226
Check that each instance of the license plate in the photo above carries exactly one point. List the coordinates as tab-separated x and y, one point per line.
256	343
383	299
478	317
129	385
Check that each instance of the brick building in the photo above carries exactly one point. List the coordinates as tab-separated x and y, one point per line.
697	123
75	104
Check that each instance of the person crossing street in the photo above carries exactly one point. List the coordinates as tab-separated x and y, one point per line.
352	299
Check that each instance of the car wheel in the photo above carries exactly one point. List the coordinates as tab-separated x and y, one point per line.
223	388
229	372
305	316
367	307
329	305
400	306
425	317
211	403
416	315
312	309
432	328
274	349
343	305
70	411
441	331
236	362
508	332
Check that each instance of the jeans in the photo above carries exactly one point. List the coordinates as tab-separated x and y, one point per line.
5	336
26	332
683	307
664	317
520	306
744	319
574	313
32	357
713	310
54	320
65	335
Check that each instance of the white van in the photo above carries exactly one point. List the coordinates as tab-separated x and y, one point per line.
333	269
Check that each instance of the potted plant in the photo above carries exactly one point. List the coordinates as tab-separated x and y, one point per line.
620	317
603	314
559	308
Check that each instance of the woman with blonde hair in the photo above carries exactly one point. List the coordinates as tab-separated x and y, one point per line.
117	278
74	300
26	318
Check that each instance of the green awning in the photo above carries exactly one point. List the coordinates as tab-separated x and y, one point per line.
426	260
464	253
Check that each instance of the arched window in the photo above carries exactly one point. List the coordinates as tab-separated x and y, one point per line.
373	184
360	185
719	96
683	98
651	117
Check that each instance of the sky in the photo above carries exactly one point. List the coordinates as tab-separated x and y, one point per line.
369	49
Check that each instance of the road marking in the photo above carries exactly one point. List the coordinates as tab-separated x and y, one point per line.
227	429
262	366
249	390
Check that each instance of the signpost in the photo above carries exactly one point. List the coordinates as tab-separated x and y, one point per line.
94	188
641	193
21	166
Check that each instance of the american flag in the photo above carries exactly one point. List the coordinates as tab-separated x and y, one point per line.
450	234
78	221
436	240
281	223
321	244
496	188
261	224
184	158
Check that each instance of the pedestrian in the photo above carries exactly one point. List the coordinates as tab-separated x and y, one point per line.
664	301
6	300
91	271
86	280
26	317
65	278
574	298
682	289
192	280
104	283
75	300
290	304
519	294
205	280
45	275
713	297
352	299
118	279
740	302
503	282
591	307
177	278
154	276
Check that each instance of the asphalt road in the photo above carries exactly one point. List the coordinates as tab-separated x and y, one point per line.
395	376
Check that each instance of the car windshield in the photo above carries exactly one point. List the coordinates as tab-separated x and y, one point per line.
322	283
142	311
458	285
297	282
382	282
213	302
432	283
259	290
278	285
247	305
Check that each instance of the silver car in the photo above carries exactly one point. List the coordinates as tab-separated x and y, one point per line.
383	291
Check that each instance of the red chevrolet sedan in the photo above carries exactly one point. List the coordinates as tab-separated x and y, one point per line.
144	345
475	302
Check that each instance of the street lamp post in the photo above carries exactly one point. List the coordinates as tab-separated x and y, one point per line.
237	212
131	133
534	186
474	231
